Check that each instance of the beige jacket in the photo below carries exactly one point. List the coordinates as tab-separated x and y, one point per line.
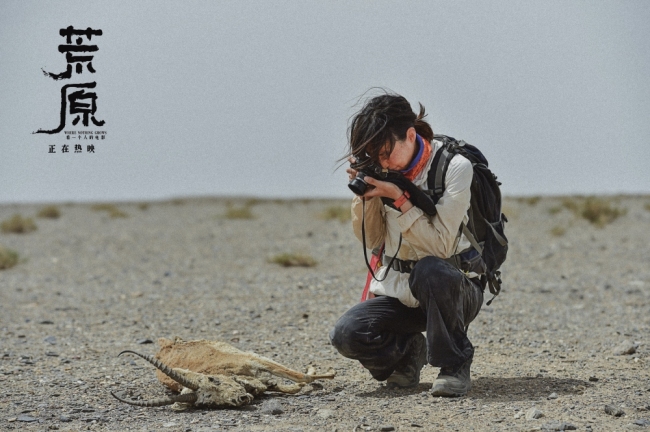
422	235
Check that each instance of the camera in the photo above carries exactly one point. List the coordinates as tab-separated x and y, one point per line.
358	185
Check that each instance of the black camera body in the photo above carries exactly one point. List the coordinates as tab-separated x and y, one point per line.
358	185
367	168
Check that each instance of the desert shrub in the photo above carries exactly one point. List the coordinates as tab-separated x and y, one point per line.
510	211
111	209
50	212
293	260
647	206
8	258
572	203
253	202
554	210
102	207
600	212
531	201
337	212
143	206
558	231
18	224
239	213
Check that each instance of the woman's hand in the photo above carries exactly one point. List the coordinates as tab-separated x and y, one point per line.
382	189
352	173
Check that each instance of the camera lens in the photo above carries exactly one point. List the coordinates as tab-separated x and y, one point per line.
358	185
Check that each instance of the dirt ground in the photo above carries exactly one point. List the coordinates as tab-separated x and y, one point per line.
91	283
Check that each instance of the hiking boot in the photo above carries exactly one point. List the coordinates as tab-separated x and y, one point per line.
407	374
453	382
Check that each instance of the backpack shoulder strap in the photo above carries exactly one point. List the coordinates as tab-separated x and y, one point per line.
438	171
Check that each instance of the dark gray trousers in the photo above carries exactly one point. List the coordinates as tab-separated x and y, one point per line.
376	331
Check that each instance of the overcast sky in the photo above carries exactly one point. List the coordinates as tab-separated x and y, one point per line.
253	98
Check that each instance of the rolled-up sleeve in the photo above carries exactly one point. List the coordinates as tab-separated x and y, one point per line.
437	235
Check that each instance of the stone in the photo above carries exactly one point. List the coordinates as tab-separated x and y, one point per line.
325	413
557	425
26	419
533	414
65	418
387	428
552	396
272	407
626	347
614	410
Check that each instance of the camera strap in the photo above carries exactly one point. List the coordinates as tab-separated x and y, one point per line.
365	249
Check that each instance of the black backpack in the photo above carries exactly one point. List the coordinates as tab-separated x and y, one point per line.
486	222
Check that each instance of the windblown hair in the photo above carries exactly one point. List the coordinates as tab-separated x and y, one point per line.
383	120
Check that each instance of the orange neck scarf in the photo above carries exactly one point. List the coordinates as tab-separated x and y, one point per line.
420	160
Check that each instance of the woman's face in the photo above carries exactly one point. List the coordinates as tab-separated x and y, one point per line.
402	155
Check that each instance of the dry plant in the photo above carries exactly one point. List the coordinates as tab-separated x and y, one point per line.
647	206
253	202
341	213
17	224
293	260
8	258
531	201
510	211
239	213
600	212
572	204
558	231
143	206
111	209
554	210
50	212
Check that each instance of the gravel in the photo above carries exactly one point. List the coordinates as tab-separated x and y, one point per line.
88	286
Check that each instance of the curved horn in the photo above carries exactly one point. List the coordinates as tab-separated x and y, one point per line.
166	370
187	398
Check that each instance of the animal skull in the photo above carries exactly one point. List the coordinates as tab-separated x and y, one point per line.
215	374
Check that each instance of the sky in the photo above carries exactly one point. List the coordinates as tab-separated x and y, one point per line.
253	98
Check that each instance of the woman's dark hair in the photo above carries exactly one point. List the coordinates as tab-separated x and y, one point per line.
383	120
